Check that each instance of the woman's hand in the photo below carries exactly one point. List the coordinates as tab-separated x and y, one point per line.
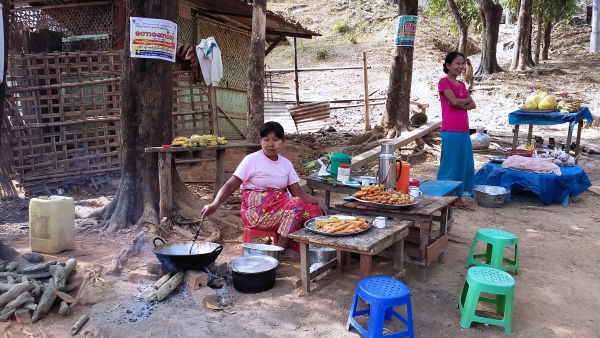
209	209
323	208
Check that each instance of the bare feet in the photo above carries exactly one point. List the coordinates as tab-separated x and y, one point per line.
464	206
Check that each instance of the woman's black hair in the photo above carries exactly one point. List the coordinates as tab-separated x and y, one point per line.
271	127
450	57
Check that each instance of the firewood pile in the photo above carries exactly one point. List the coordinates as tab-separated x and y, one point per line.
29	291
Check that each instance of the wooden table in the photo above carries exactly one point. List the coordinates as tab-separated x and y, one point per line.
366	244
424	248
312	182
166	155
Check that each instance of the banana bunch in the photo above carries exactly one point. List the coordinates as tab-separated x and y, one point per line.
206	140
568	106
180	142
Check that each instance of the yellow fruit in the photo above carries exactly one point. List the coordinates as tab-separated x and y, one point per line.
548	102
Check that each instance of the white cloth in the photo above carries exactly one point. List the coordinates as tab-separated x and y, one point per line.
209	56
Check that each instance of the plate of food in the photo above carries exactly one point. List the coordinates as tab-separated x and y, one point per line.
538	110
338	225
376	195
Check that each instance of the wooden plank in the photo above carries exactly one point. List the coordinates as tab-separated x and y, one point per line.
219	171
373	154
313	69
329	265
366	83
189	149
164	185
69	5
231	121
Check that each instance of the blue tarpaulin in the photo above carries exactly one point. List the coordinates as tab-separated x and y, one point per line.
521	117
550	188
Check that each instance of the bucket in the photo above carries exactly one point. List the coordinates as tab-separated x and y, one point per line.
336	159
52	224
418	119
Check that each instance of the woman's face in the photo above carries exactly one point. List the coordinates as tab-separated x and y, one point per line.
456	66
271	144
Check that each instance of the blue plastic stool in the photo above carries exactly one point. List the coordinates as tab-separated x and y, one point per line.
382	294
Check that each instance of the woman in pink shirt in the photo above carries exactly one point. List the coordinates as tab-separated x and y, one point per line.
265	178
456	163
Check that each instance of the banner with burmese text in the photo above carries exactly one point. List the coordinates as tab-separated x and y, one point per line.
152	38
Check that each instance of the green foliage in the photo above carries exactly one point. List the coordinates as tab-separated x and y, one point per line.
468	10
353	38
555	10
342	27
323	53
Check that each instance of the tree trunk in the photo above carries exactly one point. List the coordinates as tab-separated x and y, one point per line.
547	30
462	28
522	58
538	38
146	108
397	106
256	71
491	14
595	34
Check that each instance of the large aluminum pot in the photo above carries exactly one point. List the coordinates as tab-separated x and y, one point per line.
177	256
252	274
252	249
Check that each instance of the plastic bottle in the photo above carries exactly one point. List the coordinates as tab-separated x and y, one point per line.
402	175
336	159
52	224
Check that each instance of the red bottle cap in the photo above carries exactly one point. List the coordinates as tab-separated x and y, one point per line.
414	182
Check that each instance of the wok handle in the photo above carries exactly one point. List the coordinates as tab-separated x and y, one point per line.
154	241
218	250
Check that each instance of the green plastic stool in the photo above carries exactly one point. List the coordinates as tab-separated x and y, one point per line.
483	279
496	240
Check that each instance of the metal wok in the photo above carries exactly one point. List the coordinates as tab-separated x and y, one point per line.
187	255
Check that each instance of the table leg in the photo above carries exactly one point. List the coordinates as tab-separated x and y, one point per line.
578	148
399	257
219	171
340	261
305	267
327	198
424	230
366	262
443	225
450	220
516	136
347	258
529	134
569	138
164	185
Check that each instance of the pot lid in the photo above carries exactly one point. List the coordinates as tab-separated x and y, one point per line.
262	247
253	264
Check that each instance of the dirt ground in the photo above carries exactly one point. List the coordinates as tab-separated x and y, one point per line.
557	292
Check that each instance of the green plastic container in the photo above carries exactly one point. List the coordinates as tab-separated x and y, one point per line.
336	159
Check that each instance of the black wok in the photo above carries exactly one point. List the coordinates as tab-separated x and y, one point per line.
177	256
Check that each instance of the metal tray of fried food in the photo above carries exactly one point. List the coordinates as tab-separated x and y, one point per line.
312	223
387	205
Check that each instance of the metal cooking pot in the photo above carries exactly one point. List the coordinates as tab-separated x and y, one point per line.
178	256
251	249
252	274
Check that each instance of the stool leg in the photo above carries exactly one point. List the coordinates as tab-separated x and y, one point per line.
388	313
352	311
500	303
471	253
410	329
376	317
508	311
497	257
470	304
517	259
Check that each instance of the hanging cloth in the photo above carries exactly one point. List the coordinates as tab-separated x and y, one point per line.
209	57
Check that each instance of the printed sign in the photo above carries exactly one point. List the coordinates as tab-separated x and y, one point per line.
152	38
406	27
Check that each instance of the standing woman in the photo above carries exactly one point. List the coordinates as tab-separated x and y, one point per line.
456	162
265	178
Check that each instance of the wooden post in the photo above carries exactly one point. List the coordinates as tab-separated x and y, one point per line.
516	137
164	185
296	73
219	171
214	112
569	138
366	261
578	149
366	81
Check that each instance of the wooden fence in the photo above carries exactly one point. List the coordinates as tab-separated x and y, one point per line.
64	116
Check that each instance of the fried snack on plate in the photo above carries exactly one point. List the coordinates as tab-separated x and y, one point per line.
346	226
376	193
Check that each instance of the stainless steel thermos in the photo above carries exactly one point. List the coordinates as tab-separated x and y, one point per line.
386	174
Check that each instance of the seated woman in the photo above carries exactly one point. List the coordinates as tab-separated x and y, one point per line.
265	178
